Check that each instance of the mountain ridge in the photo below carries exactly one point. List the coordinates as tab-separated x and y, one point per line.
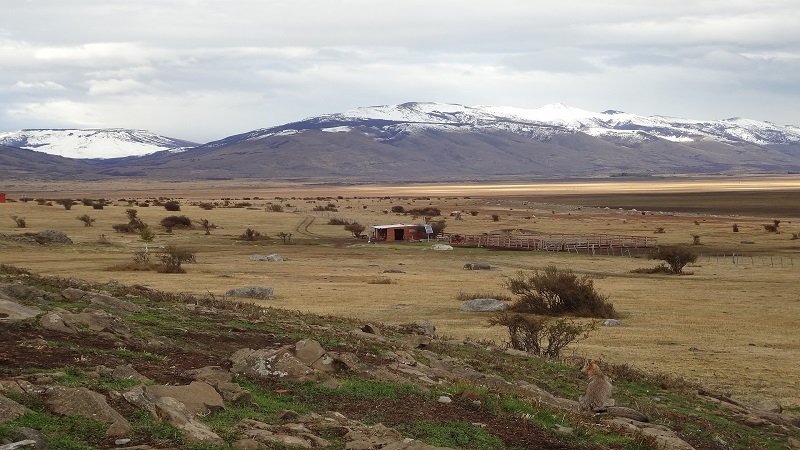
434	141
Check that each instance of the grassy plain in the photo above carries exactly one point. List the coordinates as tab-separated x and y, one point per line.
732	322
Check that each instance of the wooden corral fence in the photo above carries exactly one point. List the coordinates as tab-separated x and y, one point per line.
580	243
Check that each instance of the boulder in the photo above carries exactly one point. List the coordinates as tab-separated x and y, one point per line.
51	237
611	323
127	372
308	351
198	397
270	257
441	247
477	266
221	380
271	363
175	413
10	410
85	403
12	311
483	305
257	292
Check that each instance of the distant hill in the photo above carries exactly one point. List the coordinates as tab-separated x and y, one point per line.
434	141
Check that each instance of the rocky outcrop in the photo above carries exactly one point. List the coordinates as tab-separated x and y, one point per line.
10	410
484	305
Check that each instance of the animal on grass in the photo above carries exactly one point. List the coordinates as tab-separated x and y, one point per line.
598	391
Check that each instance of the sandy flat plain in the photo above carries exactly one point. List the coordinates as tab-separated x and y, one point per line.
732	322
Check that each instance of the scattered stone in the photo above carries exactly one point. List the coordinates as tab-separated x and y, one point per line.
257	292
270	257
29	434
755	422
176	414
441	247
422	327
198	397
611	323
483	305
122	441
12	311
10	410
271	363
444	399
370	328
308	351
127	372
477	266
85	403
793	443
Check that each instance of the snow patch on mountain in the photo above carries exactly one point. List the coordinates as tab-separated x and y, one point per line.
387	122
93	143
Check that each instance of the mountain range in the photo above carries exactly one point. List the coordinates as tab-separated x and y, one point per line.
420	142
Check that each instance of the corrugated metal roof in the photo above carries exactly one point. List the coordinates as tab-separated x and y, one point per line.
397	225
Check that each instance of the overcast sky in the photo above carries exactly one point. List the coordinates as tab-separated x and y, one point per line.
202	70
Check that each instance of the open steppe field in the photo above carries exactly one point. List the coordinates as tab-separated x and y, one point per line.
731	322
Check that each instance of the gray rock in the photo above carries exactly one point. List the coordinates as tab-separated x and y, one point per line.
85	403
611	323
10	410
51	237
127	372
198	397
441	247
257	292
12	311
270	257
308	351
271	363
483	305
477	266
175	413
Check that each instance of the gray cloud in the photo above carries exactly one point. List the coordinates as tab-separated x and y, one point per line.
204	69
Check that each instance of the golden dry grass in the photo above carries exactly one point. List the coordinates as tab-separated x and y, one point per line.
733	327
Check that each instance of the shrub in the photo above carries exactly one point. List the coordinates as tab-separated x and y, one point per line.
438	226
20	221
556	292
473	213
66	203
675	257
428	211
355	228
495	218
338	221
398	209
735	228
98	205
252	235
771	227
134	223
695	239
173	257
206	206
380	280
285	237
275	208
661	268
123	228
87	221
542	336
172	205
206	225
87	201
175	222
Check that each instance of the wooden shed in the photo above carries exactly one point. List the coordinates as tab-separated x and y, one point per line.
396	232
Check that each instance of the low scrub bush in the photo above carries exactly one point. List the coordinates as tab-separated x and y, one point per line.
355	228
661	268
66	203
171	222
172	205
20	221
380	280
173	257
542	336
675	257
555	292
428	211
275	208
87	221
338	221
252	235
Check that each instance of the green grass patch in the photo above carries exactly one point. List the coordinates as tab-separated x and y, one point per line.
461	435
63	432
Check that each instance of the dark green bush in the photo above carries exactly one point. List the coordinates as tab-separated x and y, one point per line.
555	292
675	257
542	336
175	222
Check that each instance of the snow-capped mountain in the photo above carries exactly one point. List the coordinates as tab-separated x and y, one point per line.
539	123
92	143
429	142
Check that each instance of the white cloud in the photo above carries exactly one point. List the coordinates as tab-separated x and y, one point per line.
201	69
